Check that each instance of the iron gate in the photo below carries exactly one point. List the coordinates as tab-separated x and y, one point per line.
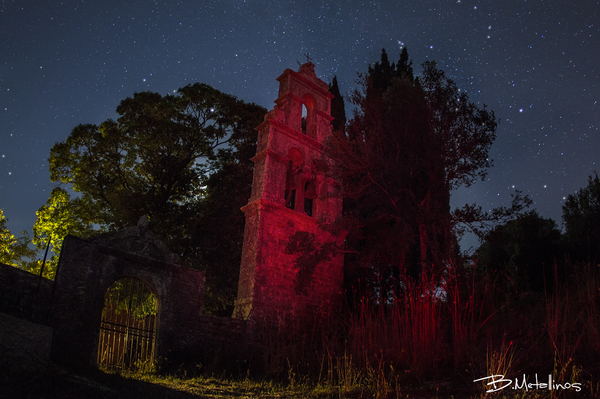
128	327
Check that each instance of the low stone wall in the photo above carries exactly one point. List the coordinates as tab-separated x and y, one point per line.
73	307
224	344
24	346
222	330
20	295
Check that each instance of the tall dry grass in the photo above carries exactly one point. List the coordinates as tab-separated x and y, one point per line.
431	337
405	333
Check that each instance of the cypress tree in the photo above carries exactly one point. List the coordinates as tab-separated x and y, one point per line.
338	107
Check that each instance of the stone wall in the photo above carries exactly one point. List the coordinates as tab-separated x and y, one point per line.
224	344
222	330
281	284
24	295
87	268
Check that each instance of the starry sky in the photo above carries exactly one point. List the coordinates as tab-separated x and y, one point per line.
534	62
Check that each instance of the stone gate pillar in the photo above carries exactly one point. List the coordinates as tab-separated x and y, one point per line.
289	202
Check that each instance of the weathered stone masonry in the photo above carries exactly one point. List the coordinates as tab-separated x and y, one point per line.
89	267
281	205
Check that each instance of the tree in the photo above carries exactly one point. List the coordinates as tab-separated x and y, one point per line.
410	142
61	216
525	250
219	226
465	131
581	218
14	251
338	107
156	159
152	160
392	178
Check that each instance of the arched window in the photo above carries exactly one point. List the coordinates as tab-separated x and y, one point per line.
310	194
128	326
304	116
300	183
308	116
295	164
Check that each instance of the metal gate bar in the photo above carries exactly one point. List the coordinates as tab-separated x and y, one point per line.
127	335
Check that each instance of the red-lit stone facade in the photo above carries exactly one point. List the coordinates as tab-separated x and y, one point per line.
289	195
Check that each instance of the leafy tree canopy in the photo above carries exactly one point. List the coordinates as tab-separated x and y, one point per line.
164	157
14	251
411	141
153	159
60	216
525	250
581	218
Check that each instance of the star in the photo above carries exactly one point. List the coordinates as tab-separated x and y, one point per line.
76	60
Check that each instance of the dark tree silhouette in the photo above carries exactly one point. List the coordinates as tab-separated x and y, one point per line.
581	218
338	106
182	160
410	142
526	250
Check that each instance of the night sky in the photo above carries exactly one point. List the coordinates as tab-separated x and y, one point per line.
535	63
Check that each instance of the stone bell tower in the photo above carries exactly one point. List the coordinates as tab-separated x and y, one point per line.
290	200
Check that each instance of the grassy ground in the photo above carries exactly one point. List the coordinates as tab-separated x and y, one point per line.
66	384
423	346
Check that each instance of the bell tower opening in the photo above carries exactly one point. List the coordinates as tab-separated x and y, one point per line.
309	188
300	184
293	178
304	115
308	116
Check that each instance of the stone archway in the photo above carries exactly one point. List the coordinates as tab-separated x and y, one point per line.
87	268
127	336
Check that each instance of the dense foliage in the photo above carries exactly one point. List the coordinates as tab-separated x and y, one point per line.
581	217
530	252
182	160
523	251
411	141
13	250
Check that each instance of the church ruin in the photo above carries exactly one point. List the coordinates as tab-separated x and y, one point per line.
289	197
290	203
